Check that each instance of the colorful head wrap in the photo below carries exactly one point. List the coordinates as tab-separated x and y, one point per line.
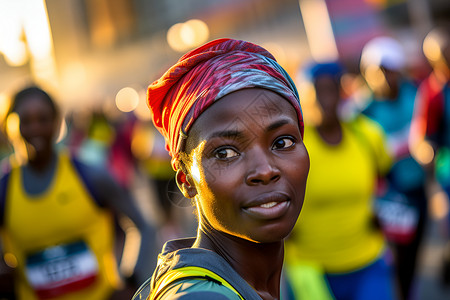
207	74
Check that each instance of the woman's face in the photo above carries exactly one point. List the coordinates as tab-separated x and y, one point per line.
328	96
38	124
248	165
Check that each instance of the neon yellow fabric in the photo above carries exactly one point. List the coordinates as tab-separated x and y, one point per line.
308	282
334	229
65	213
179	273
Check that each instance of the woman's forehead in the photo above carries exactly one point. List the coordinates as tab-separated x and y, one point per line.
244	110
31	102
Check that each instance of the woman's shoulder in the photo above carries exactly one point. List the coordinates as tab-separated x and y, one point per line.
195	272
190	289
199	289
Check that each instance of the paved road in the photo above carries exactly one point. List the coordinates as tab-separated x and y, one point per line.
429	286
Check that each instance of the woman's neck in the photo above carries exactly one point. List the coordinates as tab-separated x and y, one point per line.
39	162
259	264
330	132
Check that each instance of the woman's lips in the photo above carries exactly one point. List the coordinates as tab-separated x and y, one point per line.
268	207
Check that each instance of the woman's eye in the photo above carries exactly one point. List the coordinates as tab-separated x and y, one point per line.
284	142
225	153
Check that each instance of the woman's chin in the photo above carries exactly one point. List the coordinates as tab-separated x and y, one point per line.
271	236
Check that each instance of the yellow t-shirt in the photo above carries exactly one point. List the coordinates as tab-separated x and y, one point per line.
62	240
335	228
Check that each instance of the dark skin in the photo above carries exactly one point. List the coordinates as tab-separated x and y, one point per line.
38	126
328	96
246	167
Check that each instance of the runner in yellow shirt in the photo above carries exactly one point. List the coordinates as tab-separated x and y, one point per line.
57	215
336	236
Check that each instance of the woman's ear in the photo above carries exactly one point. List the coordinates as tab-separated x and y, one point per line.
185	184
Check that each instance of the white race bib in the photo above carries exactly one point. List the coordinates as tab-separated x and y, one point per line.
61	269
398	218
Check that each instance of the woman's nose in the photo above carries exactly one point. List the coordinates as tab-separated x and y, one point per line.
261	168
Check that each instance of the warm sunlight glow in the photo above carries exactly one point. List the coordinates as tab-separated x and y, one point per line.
37	29
15	53
11	44
195	170
74	75
27	35
318	30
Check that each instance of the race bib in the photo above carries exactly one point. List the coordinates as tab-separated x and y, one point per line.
398	218
61	269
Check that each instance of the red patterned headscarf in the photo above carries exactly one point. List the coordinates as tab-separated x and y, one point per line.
205	75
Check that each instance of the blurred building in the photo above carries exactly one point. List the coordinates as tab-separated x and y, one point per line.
86	51
100	46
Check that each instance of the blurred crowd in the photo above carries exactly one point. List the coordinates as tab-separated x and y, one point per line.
124	167
379	141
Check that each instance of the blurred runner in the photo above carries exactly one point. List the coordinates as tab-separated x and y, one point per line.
56	215
336	251
403	205
432	117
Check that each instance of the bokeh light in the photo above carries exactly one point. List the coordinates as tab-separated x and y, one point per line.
10	260
423	152
431	48
127	99
12	126
439	205
187	35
